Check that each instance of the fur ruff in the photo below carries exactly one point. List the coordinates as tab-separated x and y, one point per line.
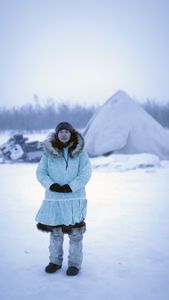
75	147
65	228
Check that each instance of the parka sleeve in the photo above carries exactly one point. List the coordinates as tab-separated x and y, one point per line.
42	173
84	174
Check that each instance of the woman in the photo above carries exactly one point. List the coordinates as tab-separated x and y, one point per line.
63	171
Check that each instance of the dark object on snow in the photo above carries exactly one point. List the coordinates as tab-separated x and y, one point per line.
17	149
52	268
72	271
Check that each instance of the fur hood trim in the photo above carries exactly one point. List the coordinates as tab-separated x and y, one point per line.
75	147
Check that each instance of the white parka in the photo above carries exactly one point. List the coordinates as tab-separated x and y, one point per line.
63	208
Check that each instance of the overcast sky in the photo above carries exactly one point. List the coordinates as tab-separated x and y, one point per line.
83	51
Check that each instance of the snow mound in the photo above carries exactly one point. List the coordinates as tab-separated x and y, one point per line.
120	162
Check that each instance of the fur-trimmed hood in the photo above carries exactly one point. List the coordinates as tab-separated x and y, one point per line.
74	148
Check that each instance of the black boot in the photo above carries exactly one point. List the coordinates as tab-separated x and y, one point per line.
72	271
52	268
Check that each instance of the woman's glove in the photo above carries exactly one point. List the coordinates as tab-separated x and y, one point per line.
66	188
55	187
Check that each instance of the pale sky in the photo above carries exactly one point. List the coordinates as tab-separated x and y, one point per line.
83	51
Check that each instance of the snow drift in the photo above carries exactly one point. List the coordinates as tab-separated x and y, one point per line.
121	125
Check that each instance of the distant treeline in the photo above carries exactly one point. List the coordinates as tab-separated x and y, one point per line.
160	112
37	117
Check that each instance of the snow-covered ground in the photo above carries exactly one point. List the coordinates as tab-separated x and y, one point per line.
126	246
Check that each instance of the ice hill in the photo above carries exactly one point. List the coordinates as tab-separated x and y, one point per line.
121	125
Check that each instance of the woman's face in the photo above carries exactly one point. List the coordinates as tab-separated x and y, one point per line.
64	135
